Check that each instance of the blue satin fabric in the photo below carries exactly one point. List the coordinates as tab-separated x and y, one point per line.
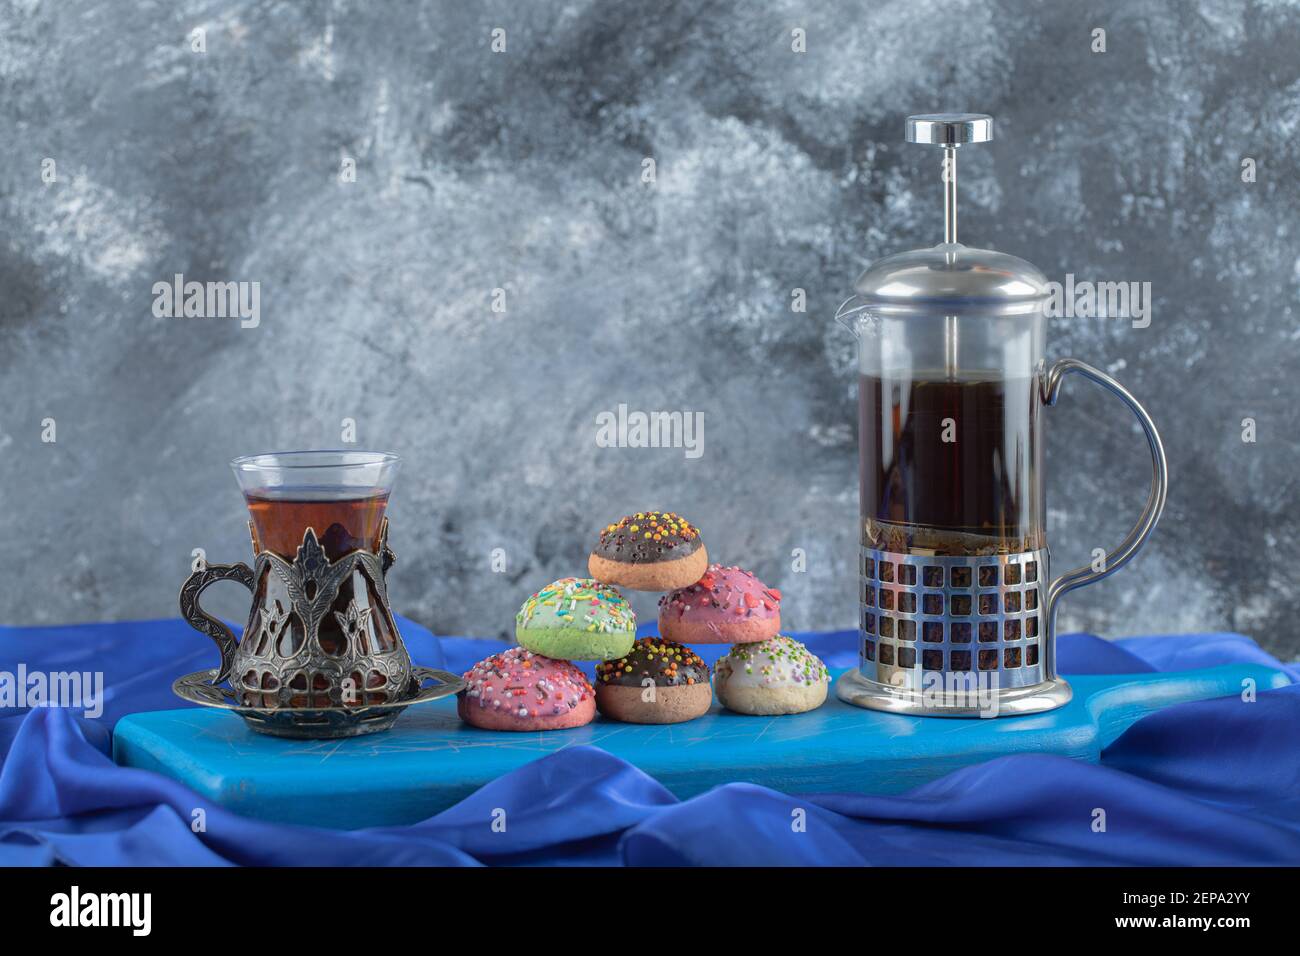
1213	782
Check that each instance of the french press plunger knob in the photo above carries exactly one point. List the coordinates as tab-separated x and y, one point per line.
949	130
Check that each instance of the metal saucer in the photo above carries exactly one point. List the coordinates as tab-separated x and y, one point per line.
319	723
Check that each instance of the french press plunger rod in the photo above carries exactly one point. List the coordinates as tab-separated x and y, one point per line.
957	606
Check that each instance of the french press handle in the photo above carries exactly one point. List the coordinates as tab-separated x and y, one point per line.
1116	559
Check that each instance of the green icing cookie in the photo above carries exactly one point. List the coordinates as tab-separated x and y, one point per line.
576	619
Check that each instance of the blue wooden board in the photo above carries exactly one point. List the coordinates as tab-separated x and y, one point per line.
430	760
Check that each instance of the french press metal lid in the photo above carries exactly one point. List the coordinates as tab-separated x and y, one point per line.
957	603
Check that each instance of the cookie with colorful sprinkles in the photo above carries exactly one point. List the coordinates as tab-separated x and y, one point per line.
725	606
658	682
576	619
779	676
520	690
649	551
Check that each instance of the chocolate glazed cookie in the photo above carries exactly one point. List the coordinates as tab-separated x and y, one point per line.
649	551
658	682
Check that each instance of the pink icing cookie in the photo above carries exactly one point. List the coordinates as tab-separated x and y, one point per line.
520	690
726	606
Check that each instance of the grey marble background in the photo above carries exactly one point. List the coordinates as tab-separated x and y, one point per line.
522	171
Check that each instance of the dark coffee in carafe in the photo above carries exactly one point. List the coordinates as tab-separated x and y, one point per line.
949	465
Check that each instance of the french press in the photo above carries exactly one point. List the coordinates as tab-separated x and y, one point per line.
958	608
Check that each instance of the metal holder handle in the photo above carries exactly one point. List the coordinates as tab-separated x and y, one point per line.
201	620
1120	556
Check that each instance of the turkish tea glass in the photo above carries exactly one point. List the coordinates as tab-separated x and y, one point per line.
320	632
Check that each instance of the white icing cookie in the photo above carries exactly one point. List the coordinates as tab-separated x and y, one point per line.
779	676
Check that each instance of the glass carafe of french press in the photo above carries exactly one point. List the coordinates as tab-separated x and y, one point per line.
957	605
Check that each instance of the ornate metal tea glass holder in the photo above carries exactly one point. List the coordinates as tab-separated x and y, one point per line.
321	656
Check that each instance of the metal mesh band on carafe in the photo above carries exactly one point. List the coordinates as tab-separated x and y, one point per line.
939	615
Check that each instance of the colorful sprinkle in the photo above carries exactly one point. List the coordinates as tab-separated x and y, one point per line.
731	590
517	673
602	609
781	660
667	663
648	536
